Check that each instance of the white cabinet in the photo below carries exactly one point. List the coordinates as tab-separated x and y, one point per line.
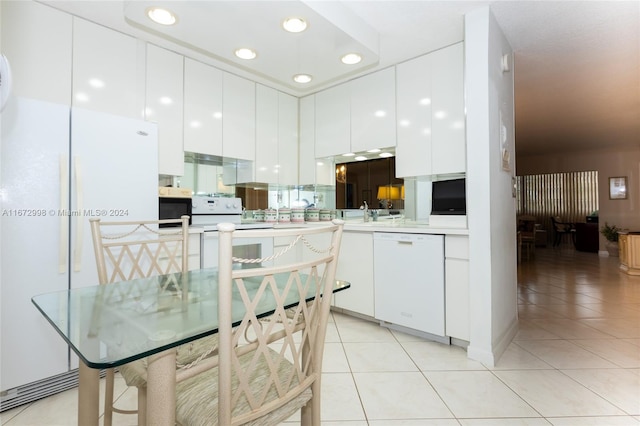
413	150
105	70
430	114
312	171
202	108
276	137
457	286
194	251
238	117
287	139
266	159
448	123
333	122
355	264
40	59
164	105
373	111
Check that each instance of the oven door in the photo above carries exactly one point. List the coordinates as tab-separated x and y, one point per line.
251	248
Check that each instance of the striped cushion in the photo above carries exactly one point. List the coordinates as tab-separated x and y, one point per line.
134	373
197	398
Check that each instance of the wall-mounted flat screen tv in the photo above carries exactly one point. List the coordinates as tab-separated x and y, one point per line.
448	197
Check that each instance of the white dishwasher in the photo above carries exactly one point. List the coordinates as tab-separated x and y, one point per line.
409	280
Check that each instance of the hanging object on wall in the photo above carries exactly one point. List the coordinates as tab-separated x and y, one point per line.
5	81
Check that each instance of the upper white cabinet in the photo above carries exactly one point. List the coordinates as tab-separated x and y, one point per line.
413	150
239	117
312	171
287	139
40	59
105	70
373	111
333	121
276	137
164	105
430	115
448	123
266	134
202	108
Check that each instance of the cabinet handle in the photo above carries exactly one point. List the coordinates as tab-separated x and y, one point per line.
63	248
77	250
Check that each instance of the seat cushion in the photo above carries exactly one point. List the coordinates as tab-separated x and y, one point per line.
197	398
134	373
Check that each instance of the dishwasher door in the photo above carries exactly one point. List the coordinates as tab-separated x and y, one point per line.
409	280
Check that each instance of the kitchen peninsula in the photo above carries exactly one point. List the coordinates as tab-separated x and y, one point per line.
629	244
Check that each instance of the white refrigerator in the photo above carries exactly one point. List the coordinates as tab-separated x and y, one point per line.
60	166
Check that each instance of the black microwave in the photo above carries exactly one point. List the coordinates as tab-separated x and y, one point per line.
173	208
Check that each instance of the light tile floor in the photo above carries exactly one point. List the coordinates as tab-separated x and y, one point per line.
574	361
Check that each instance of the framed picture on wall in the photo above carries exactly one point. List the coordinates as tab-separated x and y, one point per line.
618	188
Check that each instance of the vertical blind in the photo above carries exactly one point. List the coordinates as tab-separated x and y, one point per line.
572	196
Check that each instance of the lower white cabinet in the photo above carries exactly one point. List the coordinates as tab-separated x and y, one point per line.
457	286
355	264
194	251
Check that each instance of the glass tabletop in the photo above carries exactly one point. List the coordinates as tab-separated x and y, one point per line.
110	325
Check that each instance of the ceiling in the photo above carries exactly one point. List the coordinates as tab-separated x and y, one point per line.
576	63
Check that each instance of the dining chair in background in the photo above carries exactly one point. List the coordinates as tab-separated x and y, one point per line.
526	236
561	230
140	249
267	367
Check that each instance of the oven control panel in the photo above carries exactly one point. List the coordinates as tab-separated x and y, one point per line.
216	205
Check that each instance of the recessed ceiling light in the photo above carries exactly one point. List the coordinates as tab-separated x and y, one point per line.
360	158
348	154
302	78
245	53
161	16
351	58
374	150
294	25
385	154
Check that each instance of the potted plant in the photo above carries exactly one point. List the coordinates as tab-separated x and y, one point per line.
610	232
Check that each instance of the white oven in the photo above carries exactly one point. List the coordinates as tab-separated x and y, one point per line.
208	212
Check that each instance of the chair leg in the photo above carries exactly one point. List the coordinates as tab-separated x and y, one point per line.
108	397
142	406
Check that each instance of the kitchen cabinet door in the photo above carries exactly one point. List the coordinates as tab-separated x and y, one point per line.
312	170
448	123
266	162
355	264
164	105
373	111
456	248
287	139
105	70
333	122
413	150
202	108
40	60
238	118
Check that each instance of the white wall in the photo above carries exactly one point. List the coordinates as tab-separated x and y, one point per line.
491	207
608	162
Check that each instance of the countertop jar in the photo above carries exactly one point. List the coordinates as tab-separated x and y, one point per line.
258	215
270	215
312	215
297	215
325	215
284	215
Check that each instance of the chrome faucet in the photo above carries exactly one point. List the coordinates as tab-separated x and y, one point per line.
366	211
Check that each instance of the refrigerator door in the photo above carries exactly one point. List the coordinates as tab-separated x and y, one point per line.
35	149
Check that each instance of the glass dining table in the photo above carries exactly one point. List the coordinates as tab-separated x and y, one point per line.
111	325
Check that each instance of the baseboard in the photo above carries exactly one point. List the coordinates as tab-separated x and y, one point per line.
489	358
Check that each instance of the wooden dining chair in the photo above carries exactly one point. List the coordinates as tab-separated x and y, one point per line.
140	249
267	367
